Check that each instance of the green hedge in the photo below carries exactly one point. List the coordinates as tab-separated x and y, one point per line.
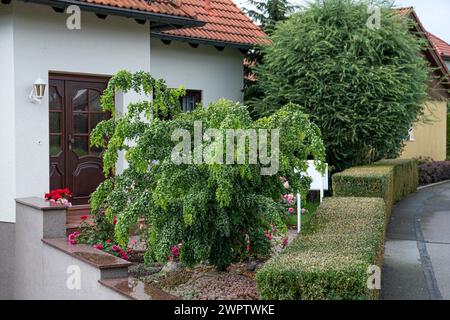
331	260
368	181
391	180
406	176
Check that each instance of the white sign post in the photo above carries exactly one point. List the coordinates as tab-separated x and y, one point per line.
319	183
299	212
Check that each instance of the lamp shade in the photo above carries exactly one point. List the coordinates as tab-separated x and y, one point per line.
39	88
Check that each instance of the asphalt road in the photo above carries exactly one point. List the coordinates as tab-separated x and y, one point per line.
417	249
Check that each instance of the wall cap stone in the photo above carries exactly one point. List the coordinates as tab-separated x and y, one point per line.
137	289
88	254
41	204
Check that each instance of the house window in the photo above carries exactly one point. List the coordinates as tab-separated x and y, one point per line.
190	100
411	135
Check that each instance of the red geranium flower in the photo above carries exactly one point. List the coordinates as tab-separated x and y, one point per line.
84	217
98	246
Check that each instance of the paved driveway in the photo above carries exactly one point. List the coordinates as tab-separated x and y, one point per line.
417	251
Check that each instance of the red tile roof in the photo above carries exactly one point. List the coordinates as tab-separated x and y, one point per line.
442	47
403	11
432	50
225	22
167	7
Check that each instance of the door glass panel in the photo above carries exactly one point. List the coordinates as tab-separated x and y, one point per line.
95	101
80	123
55	145
55	99
55	122
80	146
80	101
96	118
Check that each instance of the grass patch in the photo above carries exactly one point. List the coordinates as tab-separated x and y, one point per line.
306	217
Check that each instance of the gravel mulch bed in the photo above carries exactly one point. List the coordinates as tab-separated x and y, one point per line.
202	282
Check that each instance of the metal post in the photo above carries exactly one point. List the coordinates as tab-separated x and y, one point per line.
321	189
299	213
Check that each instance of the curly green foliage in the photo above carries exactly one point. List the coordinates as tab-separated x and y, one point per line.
214	210
363	87
127	193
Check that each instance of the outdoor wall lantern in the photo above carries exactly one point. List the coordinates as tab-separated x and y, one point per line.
38	91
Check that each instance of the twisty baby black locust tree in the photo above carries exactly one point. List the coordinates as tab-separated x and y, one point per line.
217	212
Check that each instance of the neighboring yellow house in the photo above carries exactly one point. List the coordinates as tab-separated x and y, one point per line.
429	139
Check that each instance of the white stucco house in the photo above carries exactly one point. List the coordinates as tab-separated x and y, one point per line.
196	43
199	44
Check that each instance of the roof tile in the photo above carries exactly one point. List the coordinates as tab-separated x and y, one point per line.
224	20
442	47
168	7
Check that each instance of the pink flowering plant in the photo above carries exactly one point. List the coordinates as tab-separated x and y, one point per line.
108	246
175	253
113	248
99	233
73	237
289	203
276	237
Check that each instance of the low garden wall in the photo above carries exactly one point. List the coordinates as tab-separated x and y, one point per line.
6	259
46	266
331	259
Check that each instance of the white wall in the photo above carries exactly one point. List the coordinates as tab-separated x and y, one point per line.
40	271
42	43
7	258
7	141
219	74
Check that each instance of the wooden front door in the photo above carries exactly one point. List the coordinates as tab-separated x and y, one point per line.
74	110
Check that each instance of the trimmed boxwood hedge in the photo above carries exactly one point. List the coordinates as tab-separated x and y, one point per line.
406	176
391	180
331	260
368	181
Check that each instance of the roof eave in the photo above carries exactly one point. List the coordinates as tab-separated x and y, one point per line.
439	60
236	45
123	12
